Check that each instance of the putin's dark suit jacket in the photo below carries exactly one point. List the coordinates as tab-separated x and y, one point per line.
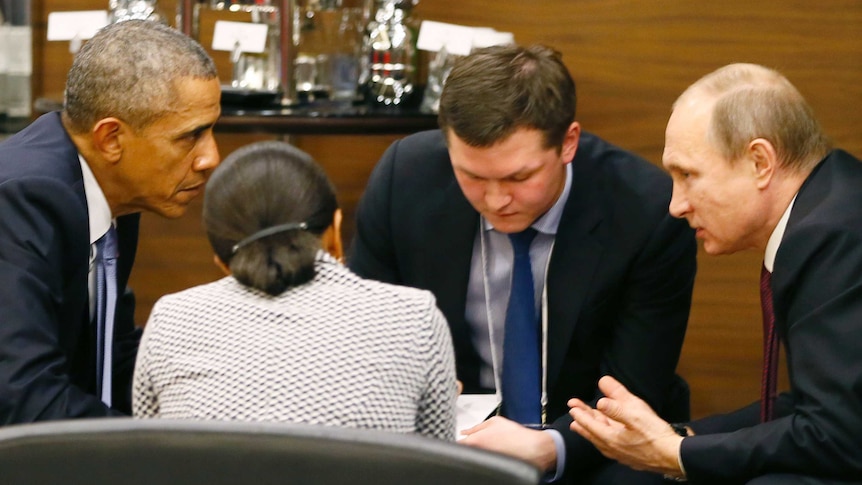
47	343
619	282
817	296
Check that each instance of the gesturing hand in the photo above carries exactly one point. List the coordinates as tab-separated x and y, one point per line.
625	429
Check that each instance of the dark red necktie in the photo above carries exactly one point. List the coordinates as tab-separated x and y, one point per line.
769	381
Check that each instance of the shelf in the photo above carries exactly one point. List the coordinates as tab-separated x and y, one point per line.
309	119
324	120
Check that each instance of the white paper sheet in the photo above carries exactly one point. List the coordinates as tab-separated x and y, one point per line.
472	409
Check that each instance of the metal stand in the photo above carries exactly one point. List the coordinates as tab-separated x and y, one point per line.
189	23
287	50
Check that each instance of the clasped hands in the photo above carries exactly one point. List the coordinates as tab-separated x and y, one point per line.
624	428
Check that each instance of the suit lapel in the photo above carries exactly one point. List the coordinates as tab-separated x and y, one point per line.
127	231
451	231
578	249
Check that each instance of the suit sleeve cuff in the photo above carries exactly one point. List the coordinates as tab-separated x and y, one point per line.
684	477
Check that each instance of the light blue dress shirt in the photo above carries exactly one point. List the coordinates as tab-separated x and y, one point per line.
498	271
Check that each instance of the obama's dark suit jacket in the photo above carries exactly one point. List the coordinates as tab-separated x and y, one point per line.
47	342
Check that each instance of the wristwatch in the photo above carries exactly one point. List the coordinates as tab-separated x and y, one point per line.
681	430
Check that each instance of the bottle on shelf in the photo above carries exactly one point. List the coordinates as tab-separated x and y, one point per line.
391	51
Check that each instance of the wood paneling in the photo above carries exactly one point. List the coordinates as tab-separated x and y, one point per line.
630	59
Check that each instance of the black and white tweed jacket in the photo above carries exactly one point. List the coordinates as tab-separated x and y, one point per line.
339	351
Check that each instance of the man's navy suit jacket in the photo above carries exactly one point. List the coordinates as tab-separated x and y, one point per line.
619	283
47	341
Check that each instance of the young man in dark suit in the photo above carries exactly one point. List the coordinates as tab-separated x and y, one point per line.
135	134
612	272
752	169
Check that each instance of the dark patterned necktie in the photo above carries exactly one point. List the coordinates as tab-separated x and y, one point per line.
769	380
106	303
521	370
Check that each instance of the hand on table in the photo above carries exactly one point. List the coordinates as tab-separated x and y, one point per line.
510	438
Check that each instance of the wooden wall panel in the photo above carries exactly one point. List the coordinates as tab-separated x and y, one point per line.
630	59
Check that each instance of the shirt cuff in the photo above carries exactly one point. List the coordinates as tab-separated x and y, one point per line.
560	447
684	477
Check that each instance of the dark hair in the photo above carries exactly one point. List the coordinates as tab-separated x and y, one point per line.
496	90
129	70
259	186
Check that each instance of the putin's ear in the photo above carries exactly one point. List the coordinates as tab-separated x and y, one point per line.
107	138
764	160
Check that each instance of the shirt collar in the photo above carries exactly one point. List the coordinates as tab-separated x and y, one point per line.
98	210
549	221
775	239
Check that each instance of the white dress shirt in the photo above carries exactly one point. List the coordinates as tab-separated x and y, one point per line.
99	214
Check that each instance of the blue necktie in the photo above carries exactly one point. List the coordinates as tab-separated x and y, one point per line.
521	370
106	303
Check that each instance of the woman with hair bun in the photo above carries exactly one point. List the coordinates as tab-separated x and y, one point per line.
291	334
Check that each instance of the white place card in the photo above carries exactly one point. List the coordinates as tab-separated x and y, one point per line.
250	36
458	39
487	38
80	25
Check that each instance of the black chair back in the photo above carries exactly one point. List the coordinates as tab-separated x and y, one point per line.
127	451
